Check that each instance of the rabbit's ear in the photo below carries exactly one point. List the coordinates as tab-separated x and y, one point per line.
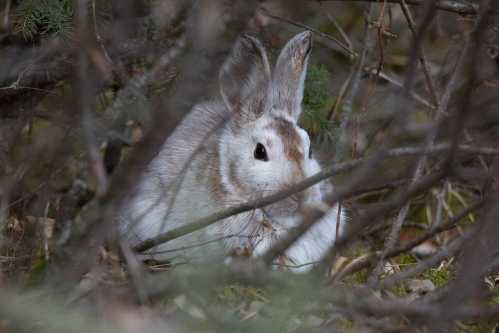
245	77
289	74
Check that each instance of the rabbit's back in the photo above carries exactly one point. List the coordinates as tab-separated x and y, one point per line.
197	133
180	176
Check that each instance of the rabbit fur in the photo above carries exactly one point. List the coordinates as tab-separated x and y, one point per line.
210	163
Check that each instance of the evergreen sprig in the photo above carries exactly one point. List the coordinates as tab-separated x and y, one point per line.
44	18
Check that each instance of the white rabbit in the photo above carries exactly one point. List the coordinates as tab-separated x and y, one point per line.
243	146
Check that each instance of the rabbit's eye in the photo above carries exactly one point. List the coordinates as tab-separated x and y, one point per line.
310	152
260	152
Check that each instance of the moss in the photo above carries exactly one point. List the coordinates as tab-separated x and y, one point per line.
439	276
357	278
235	293
38	271
345	325
494	299
404	259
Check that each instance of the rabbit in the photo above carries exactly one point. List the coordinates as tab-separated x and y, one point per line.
243	145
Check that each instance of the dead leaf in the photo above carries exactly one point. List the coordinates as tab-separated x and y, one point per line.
338	265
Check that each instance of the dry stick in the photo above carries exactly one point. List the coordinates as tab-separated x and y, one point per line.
136	85
370	217
354	181
390	185
86	102
463	8
234	210
434	231
457	123
468	283
118	70
5	23
393	236
379	24
315	31
343	91
364	261
299	187
135	269
341	31
347	106
360	302
183	248
341	96
372	305
384	76
472	264
191	88
422	58
444	253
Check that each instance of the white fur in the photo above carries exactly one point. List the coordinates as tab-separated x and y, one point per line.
207	165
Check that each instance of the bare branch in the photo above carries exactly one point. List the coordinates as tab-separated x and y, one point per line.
455	6
301	186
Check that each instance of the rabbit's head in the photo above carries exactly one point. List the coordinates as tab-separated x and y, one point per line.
262	149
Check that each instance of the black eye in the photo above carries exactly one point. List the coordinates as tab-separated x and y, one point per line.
310	152
260	152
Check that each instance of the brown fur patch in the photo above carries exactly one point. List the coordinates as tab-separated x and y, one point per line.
297	62
291	141
213	174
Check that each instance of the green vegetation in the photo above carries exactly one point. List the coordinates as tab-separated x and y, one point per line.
44	17
235	293
439	276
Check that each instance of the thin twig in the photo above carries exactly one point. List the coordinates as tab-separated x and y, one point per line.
446	252
367	260
135	270
315	31
198	67
459	7
394	234
422	57
382	75
341	31
299	187
86	102
356	74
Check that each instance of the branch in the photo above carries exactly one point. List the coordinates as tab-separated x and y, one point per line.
191	89
458	7
422	58
345	48
299	187
444	253
364	261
